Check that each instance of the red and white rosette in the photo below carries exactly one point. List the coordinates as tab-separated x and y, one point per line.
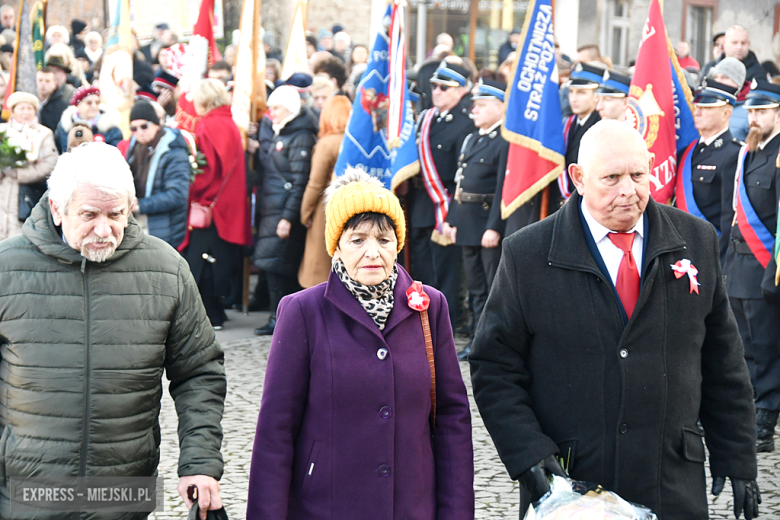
418	299
683	267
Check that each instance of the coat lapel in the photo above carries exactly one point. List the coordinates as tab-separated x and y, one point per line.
401	309
346	302
568	247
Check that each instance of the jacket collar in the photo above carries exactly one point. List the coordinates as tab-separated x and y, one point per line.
345	301
569	247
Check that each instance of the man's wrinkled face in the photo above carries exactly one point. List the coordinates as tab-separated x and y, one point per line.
616	186
446	97
583	101
711	119
487	112
94	222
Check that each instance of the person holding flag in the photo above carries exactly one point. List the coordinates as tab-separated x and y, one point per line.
613	95
474	221
705	168
441	131
585	79
750	277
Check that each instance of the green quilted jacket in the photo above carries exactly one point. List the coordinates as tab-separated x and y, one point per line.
83	347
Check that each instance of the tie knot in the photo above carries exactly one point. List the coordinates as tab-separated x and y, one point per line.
624	241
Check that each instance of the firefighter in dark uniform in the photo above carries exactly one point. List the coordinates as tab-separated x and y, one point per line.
583	82
750	270
440	134
612	95
474	220
713	160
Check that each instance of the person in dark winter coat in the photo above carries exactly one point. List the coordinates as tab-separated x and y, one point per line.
53	104
160	161
86	108
281	235
347	427
93	311
737	45
608	334
510	45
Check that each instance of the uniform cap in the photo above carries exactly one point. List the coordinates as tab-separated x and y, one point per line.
614	84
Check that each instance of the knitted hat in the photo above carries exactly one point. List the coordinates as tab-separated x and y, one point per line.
732	68
354	193
83	92
287	97
165	80
77	26
144	111
145	92
22	97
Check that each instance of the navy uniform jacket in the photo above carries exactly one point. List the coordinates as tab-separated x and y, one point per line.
712	175
483	162
576	131
744	274
447	135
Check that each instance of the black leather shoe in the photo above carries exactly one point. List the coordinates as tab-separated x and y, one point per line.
463	355
268	328
766	420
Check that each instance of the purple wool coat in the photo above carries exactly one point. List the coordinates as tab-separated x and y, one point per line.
344	431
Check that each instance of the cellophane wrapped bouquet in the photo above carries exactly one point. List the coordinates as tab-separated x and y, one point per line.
574	500
17	148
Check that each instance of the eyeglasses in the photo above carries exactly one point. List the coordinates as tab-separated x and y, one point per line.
134	129
441	87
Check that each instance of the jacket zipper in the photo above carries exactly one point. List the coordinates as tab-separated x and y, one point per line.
87	346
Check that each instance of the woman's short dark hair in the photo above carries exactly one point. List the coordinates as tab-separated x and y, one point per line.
382	221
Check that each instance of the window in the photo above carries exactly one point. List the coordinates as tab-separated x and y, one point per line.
615	36
699	32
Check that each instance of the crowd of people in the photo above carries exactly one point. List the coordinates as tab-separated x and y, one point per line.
192	191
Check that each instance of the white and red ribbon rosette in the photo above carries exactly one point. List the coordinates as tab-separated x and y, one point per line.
418	299
683	267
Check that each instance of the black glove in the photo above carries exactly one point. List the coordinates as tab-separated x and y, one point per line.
537	479
746	495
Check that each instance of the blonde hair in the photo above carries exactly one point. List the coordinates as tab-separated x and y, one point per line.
210	94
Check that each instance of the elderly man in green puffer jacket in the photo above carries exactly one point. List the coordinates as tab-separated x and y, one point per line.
92	311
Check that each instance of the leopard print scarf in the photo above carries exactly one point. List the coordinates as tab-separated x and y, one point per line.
377	300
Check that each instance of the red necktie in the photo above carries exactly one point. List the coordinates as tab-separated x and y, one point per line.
628	275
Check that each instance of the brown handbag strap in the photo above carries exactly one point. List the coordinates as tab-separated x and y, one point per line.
429	351
224	182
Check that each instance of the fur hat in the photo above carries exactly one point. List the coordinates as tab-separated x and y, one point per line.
22	97
354	193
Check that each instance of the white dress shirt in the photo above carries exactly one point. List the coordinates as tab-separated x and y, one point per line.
610	253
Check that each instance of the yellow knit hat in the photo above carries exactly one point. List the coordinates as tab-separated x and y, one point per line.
354	193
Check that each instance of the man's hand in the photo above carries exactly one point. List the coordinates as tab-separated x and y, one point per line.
208	493
252	145
537	479
490	238
165	97
283	228
252	129
746	495
450	232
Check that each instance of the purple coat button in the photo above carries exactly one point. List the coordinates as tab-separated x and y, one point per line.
383	470
385	412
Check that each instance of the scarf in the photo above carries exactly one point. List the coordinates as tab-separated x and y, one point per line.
377	300
280	126
141	160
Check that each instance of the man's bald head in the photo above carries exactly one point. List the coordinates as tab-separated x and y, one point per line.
612	174
737	42
610	137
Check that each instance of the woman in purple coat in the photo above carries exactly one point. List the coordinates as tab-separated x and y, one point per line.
347	430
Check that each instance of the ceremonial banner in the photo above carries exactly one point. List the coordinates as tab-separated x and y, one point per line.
202	52
295	59
532	112
38	30
249	81
365	144
776	253
22	77
659	104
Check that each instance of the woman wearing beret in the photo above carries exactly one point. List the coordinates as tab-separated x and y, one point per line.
86	109
347	426
23	107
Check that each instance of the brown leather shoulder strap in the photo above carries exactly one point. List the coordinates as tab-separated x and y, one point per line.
429	351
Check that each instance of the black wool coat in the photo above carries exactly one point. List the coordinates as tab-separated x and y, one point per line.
556	368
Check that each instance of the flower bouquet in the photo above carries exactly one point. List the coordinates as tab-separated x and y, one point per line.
17	148
574	500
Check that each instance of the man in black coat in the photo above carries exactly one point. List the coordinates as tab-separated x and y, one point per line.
750	270
440	134
602	343
53	104
474	220
737	45
706	167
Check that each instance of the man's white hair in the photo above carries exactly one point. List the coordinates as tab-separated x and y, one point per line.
99	165
608	133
